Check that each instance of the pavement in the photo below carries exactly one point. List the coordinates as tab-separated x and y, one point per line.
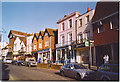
22	73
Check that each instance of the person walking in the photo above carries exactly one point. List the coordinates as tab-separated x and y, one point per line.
106	59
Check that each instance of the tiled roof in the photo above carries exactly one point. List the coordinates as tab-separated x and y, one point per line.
37	34
19	33
42	32
31	34
104	9
50	31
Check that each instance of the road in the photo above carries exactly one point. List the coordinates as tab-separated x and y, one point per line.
21	73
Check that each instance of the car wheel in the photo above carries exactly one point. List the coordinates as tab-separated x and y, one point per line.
78	77
62	73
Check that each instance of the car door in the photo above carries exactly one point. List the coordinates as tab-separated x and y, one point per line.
66	67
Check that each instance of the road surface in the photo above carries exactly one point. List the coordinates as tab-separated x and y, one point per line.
21	73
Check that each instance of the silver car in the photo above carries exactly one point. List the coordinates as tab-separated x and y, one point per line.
78	71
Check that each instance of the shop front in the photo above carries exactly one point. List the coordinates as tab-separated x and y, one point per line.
84	53
44	55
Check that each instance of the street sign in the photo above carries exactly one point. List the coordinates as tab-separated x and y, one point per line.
87	43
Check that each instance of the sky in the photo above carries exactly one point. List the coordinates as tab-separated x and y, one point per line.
36	16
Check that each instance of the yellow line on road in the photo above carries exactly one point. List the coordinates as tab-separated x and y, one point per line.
10	77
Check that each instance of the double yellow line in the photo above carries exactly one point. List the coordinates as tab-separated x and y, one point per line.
11	77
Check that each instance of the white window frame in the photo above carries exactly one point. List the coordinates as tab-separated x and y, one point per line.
40	45
87	19
99	29
46	43
62	26
69	23
34	46
46	34
80	24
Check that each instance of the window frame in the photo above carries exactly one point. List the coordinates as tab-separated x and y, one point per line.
40	46
80	22
99	29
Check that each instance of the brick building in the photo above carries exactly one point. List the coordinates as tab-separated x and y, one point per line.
106	31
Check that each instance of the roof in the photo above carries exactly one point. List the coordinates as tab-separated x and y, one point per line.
17	33
37	34
104	9
68	16
42	32
50	31
31	34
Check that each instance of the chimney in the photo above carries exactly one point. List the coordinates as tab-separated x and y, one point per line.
65	15
87	9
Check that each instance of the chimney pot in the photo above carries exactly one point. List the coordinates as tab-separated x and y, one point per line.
88	9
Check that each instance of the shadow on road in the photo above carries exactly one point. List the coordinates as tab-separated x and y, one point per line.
5	72
58	73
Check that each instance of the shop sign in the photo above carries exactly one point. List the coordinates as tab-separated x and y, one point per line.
87	43
45	50
80	45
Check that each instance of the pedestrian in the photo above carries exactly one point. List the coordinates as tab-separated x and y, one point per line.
106	58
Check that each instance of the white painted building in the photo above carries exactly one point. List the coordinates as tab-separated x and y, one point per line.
3	49
84	35
19	46
29	43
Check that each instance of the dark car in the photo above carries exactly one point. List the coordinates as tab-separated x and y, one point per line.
108	72
13	62
77	71
20	63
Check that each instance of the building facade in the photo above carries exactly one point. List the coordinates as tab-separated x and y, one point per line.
46	44
84	35
12	37
29	43
66	37
35	45
106	31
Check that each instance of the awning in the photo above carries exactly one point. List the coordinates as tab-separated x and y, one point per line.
45	50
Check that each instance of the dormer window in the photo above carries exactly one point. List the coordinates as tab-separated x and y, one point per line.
40	37
87	19
46	34
11	36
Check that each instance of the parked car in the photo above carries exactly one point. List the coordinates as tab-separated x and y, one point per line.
77	71
108	72
30	62
20	63
13	62
8	61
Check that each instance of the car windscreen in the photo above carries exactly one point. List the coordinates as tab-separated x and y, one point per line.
79	66
8	59
31	60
